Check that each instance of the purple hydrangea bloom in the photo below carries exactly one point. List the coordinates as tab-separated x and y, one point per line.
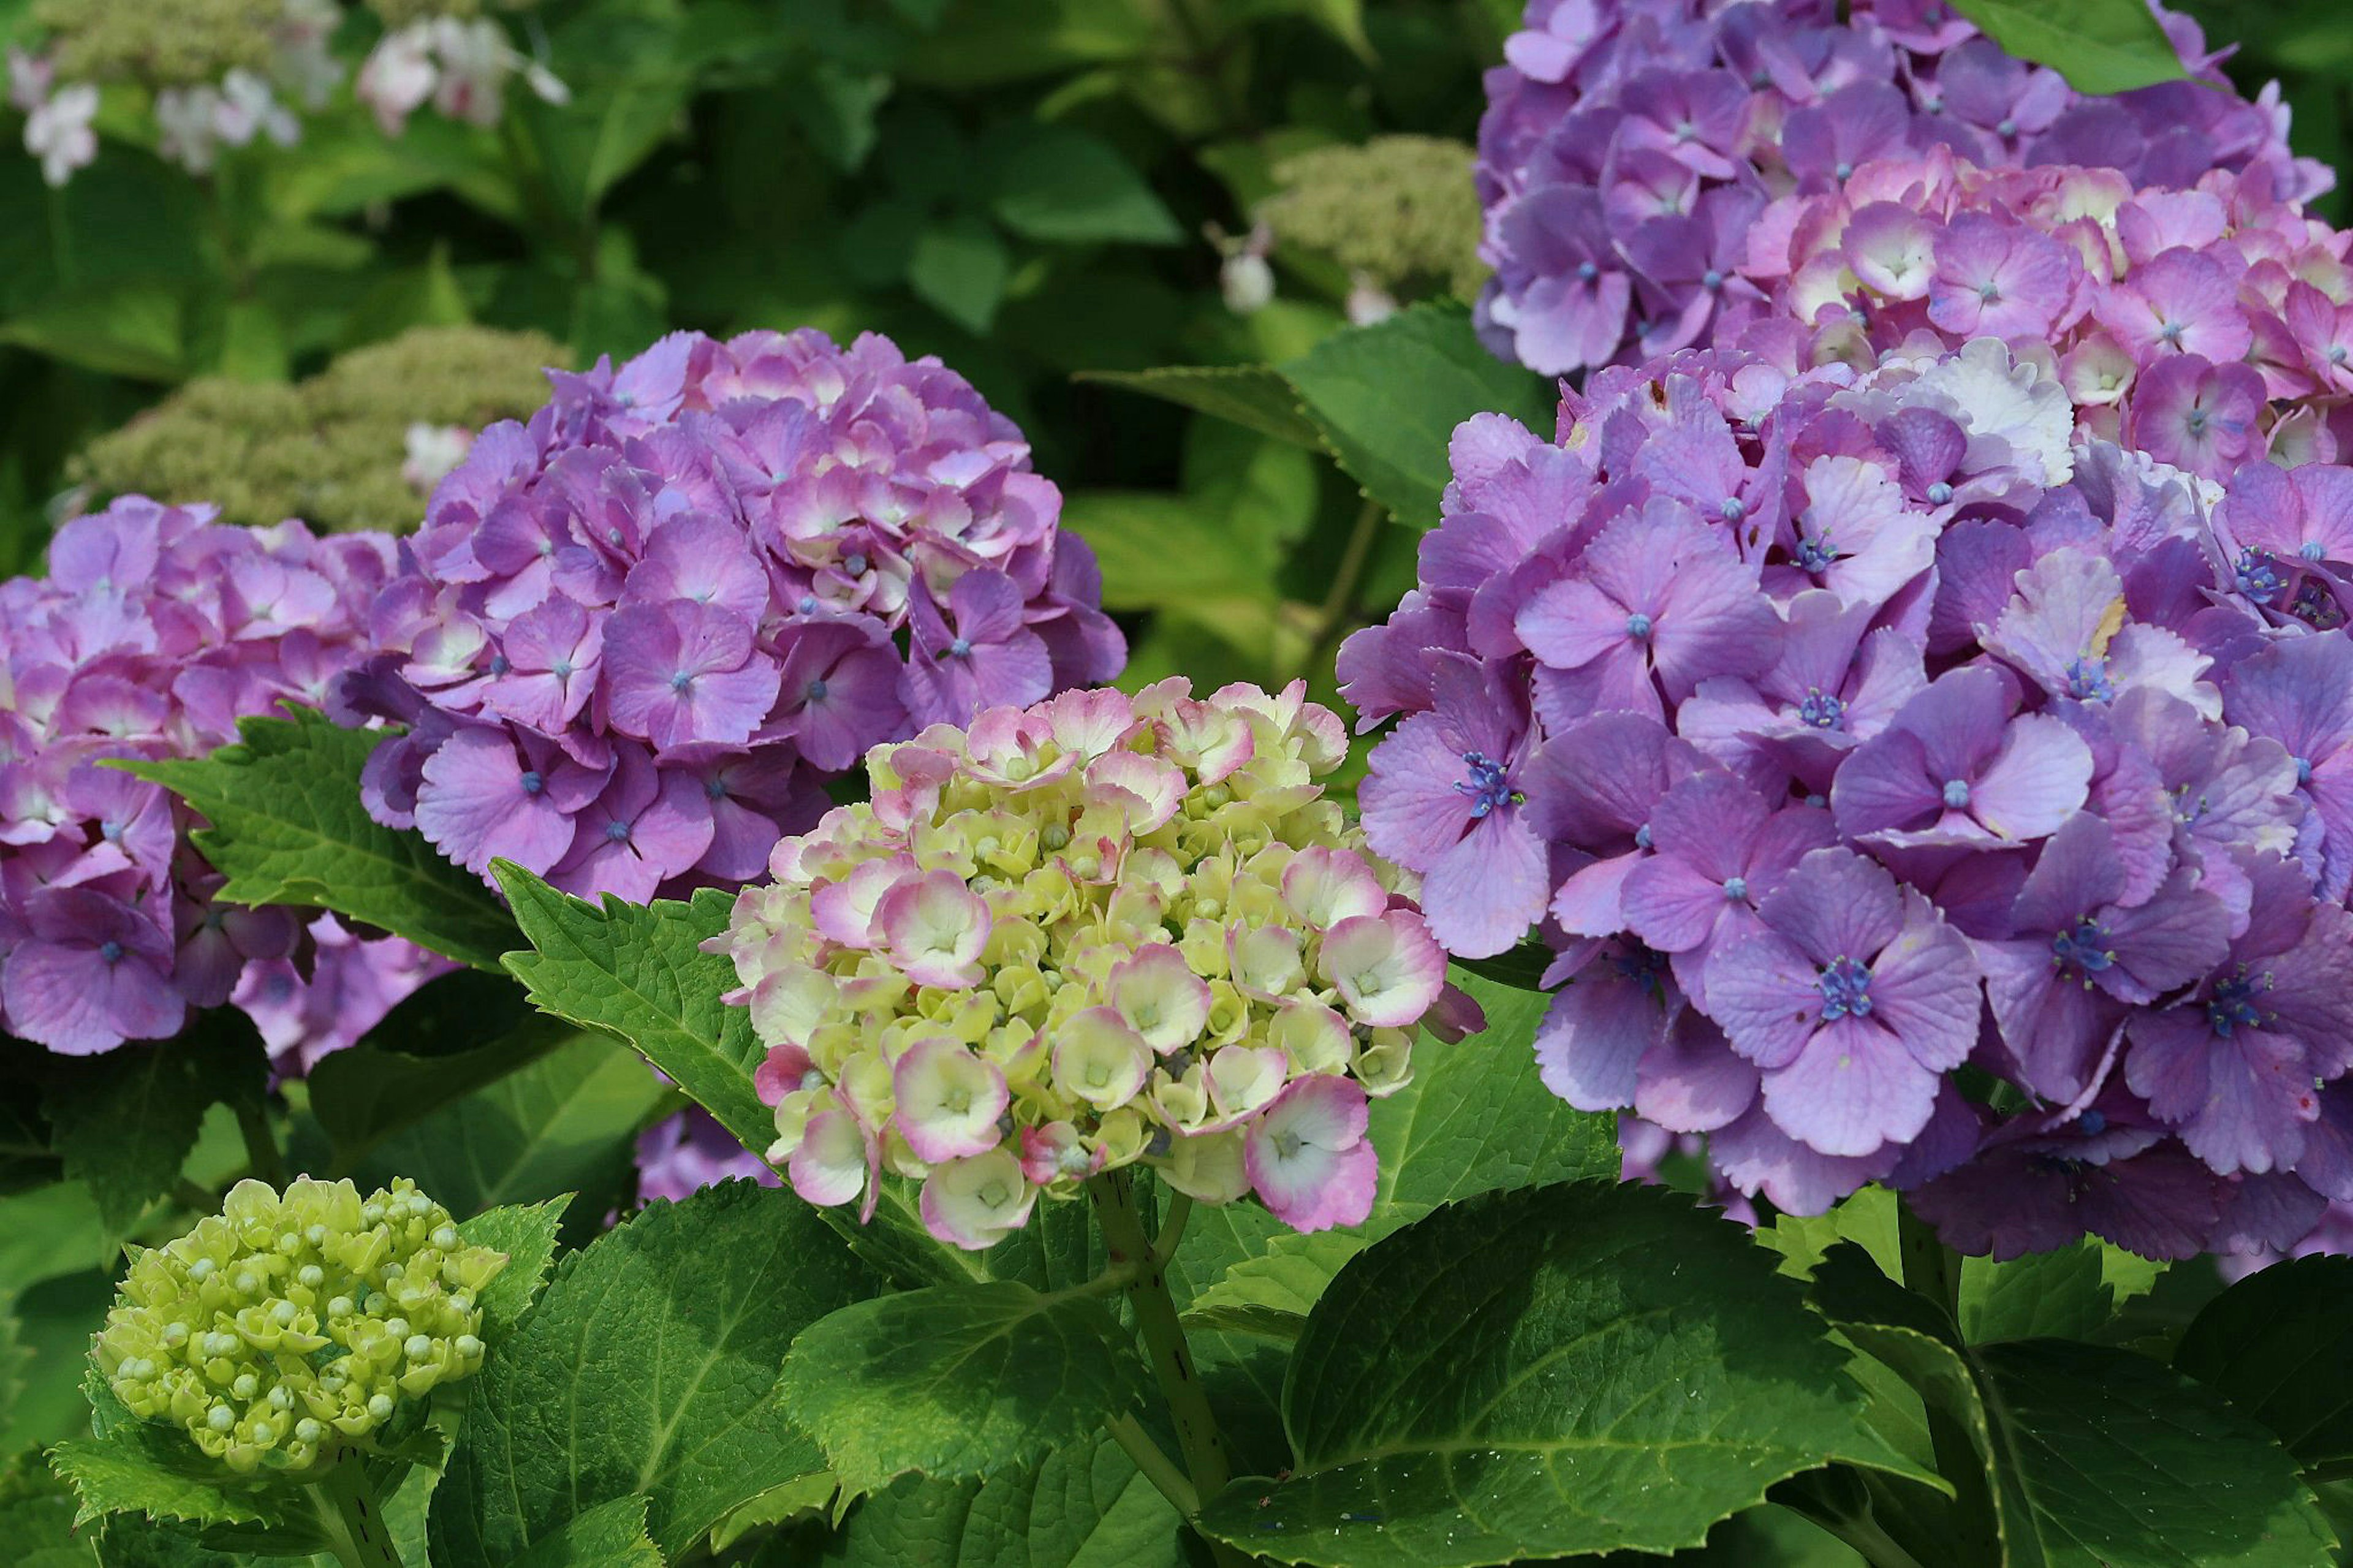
638	633
153	632
680	1155
1629	148
1840	728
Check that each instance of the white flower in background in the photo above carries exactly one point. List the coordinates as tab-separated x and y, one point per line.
187	126
461	66
28	79
248	106
433	451
1369	304
303	67
59	130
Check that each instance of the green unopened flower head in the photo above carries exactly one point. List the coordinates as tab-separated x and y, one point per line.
285	1330
1397	210
159	43
337	450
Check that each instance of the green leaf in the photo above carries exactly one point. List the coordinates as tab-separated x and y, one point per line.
2279	1346
1255	397
2128	1464
145	1470
837	111
1084	1506
567	1122
136	330
526	1234
1867	1218
1577	1368
959	267
2063	1294
287	827
1058	183
958	1380
647	1368
1386	399
610	1535
427	295
638	972
2099	46
124	1122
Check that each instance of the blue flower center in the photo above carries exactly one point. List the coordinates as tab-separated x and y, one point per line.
1846	990
2338	354
534	782
1487	785
807	605
817	688
1735	888
111	951
713	789
1642	836
2316	606
1988	291
1816	555
2312	550
1645	967
1940	494
1820	709
2303	769
1637	625
110	831
2092	1124
854	563
616	832
2087	680
1956	794
1732	510
2196	421
1710	280
2170	332
2256	578
1587	272
1843	172
960	649
499	665
681	680
2232	1005
561	670
2082	947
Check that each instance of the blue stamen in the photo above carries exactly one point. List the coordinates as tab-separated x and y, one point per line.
1940	494
2256	579
1710	280
680	681
2083	948
1846	990
1637	625
713	788
1816	555
110	831
2092	1124
960	649
1956	794
2312	550
111	951
616	832
2087	680
1587	272
1642	836
534	782
817	688
1732	510
499	665
854	563
1486	786
2232	1005
1820	709
1735	888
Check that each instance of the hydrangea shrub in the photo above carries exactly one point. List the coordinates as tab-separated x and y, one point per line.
1098	931
1630	149
1847	731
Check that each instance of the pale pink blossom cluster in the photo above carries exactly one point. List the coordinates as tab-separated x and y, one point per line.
460	65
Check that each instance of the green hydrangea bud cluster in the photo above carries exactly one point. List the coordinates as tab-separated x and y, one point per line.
159	43
1397	210
330	449
286	1329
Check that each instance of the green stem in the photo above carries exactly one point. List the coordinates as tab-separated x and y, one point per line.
1172	1228
1933	1270
356	1531
261	1145
1154	1463
1340	604
1206	1461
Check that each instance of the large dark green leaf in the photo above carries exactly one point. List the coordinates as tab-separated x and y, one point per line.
125	1122
2279	1346
287	827
958	1380
648	1369
1255	397
1584	1367
1054	182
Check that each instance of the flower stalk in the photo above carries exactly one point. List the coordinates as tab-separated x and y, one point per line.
357	1531
1206	1463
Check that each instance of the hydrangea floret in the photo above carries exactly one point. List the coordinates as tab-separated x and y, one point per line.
286	1333
636	634
1844	729
1628	148
1091	933
153	632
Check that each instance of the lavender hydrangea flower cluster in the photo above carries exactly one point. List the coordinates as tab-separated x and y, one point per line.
1912	788
1628	148
636	634
155	631
2204	327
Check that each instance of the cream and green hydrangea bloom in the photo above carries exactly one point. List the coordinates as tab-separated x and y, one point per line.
1095	933
284	1333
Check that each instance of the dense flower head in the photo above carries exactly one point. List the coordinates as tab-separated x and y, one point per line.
153	632
1397	212
1628	147
287	1331
2205	327
1845	728
360	444
637	633
1094	931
